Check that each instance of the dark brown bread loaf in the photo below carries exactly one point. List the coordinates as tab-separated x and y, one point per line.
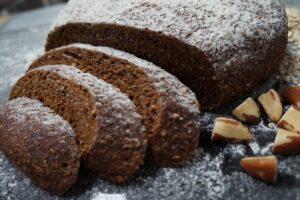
218	48
40	143
109	131
169	109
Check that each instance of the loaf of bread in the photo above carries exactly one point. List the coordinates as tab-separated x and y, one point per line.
169	109
109	132
218	48
40	143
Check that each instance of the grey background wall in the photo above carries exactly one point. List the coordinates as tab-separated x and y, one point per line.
14	6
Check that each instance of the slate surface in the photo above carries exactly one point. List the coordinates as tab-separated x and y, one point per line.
213	174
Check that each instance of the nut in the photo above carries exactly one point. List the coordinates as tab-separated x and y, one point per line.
247	112
264	168
226	129
286	142
292	95
272	105
291	120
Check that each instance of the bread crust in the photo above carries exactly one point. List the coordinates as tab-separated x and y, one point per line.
219	49
109	131
173	129
40	143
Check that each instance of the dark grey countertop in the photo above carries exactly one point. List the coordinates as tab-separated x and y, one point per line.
213	174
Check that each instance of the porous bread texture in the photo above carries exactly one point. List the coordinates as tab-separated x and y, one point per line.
109	131
40	143
219	48
170	110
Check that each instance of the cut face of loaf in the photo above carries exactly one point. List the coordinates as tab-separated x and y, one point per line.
169	109
40	143
218	48
109	131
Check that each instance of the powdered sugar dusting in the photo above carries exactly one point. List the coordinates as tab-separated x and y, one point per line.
213	179
236	150
206	174
32	111
152	184
261	150
179	94
267	149
217	27
103	196
107	97
255	147
17	69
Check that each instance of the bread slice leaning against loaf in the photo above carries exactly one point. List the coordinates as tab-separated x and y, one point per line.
40	143
109	132
169	109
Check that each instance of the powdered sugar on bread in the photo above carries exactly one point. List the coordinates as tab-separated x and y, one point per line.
216	27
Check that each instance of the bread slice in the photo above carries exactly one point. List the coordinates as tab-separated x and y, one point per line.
109	131
219	48
40	143
169	109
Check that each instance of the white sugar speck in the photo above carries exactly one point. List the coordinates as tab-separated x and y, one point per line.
254	147
102	196
266	149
